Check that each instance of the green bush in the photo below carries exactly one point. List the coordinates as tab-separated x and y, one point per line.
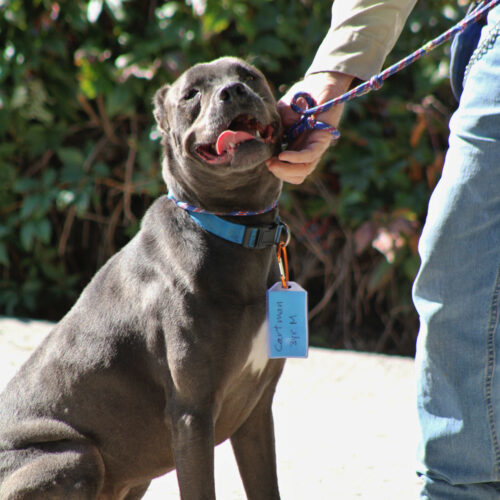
80	159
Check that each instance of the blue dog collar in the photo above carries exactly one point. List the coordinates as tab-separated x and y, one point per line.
259	236
246	236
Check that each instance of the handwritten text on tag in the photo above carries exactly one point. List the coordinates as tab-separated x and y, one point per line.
287	326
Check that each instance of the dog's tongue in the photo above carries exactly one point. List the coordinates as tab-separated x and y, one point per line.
228	140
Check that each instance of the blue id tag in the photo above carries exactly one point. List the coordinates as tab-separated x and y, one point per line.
287	330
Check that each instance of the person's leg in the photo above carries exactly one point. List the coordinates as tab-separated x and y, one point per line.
457	295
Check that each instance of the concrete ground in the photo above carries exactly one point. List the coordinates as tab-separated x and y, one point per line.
345	424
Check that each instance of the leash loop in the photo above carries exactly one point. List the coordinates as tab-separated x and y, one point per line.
307	120
311	103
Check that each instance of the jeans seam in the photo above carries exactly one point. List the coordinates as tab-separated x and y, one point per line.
490	367
481	50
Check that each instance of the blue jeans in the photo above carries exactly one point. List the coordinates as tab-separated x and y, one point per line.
457	295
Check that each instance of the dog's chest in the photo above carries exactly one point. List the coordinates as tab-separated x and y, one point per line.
257	357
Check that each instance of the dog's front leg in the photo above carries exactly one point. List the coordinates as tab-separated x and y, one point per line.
253	446
193	445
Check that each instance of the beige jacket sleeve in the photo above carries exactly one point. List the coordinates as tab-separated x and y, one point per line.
361	35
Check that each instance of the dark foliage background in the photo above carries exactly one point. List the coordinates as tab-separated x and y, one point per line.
80	162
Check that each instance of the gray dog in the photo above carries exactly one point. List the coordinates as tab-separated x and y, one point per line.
164	354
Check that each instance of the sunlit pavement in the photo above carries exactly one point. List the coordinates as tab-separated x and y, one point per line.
345	424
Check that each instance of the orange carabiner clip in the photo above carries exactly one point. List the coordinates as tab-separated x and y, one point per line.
283	264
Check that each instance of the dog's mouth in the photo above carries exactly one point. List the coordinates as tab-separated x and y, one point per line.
242	129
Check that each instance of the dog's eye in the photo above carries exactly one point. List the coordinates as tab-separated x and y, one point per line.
190	94
248	75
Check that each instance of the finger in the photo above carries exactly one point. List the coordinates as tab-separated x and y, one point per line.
295	169
289	178
312	151
306	139
301	103
288	115
304	156
293	173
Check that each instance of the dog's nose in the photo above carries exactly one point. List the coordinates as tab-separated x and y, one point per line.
232	91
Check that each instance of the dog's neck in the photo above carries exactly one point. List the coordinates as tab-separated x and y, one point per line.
250	200
235	213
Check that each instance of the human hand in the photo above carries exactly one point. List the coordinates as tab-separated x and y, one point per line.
302	156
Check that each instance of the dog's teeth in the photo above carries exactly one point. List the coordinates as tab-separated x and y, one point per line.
231	144
257	134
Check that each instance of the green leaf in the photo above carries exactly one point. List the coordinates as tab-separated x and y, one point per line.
411	266
101	169
380	276
4	230
215	23
30	205
38	138
271	45
82	202
27	235
19	97
25	185
71	156
44	230
49	178
7	149
120	101
4	255
72	173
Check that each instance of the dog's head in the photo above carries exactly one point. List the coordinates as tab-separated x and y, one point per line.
220	124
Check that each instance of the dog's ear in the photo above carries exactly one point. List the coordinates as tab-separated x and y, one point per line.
159	108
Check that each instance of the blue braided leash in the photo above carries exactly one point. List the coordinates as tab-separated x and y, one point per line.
308	120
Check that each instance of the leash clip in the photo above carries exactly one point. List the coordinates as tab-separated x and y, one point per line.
283	264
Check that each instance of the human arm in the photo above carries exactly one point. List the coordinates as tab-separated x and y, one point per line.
361	35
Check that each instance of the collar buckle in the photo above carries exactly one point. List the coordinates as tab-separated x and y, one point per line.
262	236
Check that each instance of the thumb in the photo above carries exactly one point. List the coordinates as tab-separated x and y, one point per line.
288	115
